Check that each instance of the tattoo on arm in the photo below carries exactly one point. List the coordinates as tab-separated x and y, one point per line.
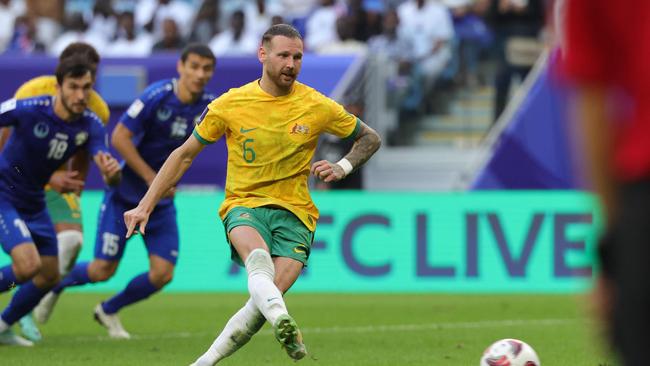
365	145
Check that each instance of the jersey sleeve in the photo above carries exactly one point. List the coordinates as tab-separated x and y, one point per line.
341	123
9	113
98	140
212	125
138	113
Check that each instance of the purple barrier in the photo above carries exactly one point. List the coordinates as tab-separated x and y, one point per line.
322	73
535	150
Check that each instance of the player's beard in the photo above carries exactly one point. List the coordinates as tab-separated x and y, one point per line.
69	108
281	81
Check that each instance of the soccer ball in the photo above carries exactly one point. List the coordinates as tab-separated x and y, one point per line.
510	352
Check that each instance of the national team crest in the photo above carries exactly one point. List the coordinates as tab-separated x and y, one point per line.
41	129
163	114
299	129
80	138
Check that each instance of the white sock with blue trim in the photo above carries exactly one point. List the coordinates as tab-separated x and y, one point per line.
264	293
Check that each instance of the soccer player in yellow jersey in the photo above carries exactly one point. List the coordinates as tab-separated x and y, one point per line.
272	127
63	190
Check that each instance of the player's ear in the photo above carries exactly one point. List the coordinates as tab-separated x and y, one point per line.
261	53
179	66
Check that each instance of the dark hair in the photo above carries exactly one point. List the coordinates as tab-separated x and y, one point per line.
74	66
197	49
82	49
280	30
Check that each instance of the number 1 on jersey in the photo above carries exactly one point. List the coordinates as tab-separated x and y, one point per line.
20	225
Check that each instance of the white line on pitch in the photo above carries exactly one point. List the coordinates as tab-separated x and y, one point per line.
362	328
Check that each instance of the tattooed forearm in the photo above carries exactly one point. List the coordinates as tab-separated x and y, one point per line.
365	145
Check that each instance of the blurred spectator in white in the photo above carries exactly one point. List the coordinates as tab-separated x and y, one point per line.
472	38
429	23
23	40
206	23
397	49
235	41
9	11
345	44
321	25
76	28
297	9
296	13
129	43
149	14
259	14
103	22
49	18
171	40
395	46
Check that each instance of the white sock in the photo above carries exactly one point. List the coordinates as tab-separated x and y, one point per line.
3	326
264	293
237	332
69	246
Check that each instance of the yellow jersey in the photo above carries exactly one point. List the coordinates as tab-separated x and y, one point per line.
46	85
271	142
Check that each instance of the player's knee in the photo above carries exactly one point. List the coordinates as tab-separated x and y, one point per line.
160	278
102	271
259	262
49	278
27	268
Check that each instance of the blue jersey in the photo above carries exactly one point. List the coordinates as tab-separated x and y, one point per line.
40	143
160	123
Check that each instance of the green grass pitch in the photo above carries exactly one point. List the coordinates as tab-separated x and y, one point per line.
339	329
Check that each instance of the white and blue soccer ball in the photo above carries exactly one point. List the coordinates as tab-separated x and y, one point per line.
510	352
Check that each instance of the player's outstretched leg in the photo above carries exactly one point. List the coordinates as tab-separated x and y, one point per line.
237	332
77	277
23	301
139	288
7	281
69	243
268	299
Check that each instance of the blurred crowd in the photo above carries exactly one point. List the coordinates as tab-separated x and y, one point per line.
427	40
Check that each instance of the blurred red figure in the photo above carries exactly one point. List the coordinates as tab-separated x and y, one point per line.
607	54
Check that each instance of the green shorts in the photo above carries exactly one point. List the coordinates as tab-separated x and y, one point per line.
283	232
63	207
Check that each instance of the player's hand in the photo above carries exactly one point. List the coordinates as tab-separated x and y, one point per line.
136	220
327	171
66	181
110	168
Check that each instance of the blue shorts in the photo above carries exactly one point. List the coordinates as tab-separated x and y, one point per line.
161	233
19	227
